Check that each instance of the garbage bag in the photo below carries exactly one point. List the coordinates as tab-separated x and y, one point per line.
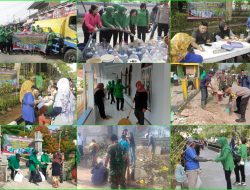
18	177
38	177
42	176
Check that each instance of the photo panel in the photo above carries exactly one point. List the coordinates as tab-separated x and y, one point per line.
209	32
220	153
38	93
123	94
38	157
123	156
123	32
38	32
207	94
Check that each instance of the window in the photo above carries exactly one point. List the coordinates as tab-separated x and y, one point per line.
72	22
146	78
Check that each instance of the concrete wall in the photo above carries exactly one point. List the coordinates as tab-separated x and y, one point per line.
160	104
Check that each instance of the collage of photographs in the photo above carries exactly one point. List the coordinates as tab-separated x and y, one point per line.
125	94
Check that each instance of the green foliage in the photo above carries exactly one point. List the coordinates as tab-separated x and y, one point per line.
208	66
6	88
8	101
242	66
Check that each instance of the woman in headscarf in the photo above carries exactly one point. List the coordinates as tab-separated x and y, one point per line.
28	101
224	32
140	100
226	159
56	170
64	105
179	49
99	96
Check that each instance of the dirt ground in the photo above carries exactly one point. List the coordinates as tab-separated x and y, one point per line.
215	113
11	115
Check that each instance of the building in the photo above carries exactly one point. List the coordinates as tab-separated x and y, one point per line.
154	76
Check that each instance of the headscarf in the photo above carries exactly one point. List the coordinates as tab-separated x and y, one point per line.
56	158
25	88
64	97
140	87
99	86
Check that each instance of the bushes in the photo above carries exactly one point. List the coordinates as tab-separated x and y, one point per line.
8	101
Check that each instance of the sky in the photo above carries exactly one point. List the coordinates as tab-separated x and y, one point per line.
14	9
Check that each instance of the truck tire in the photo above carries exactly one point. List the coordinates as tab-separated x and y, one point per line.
70	56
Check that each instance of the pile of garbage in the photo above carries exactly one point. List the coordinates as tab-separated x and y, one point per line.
153	51
151	171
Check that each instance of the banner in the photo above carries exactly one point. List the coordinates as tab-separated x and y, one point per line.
14	144
206	9
30	41
9	77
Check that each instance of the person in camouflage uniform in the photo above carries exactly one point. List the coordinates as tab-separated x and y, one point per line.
116	156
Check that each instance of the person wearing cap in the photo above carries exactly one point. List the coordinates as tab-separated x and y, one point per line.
192	163
14	164
205	83
115	157
226	159
45	160
243	95
34	164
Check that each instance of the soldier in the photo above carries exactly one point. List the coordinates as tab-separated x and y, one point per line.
116	157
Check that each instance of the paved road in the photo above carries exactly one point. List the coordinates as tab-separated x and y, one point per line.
26	185
212	173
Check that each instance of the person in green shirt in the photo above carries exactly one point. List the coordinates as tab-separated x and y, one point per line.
132	23
34	164
112	89
121	22
226	158
14	164
142	21
39	29
51	38
108	22
108	88
118	92
240	167
33	29
45	160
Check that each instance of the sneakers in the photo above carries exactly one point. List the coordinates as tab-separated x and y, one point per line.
236	183
241	120
243	184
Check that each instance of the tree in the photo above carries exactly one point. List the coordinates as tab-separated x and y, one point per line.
210	66
242	66
49	142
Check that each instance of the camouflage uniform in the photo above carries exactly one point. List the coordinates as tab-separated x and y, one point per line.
117	162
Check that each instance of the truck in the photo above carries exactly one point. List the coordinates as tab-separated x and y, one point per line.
65	28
